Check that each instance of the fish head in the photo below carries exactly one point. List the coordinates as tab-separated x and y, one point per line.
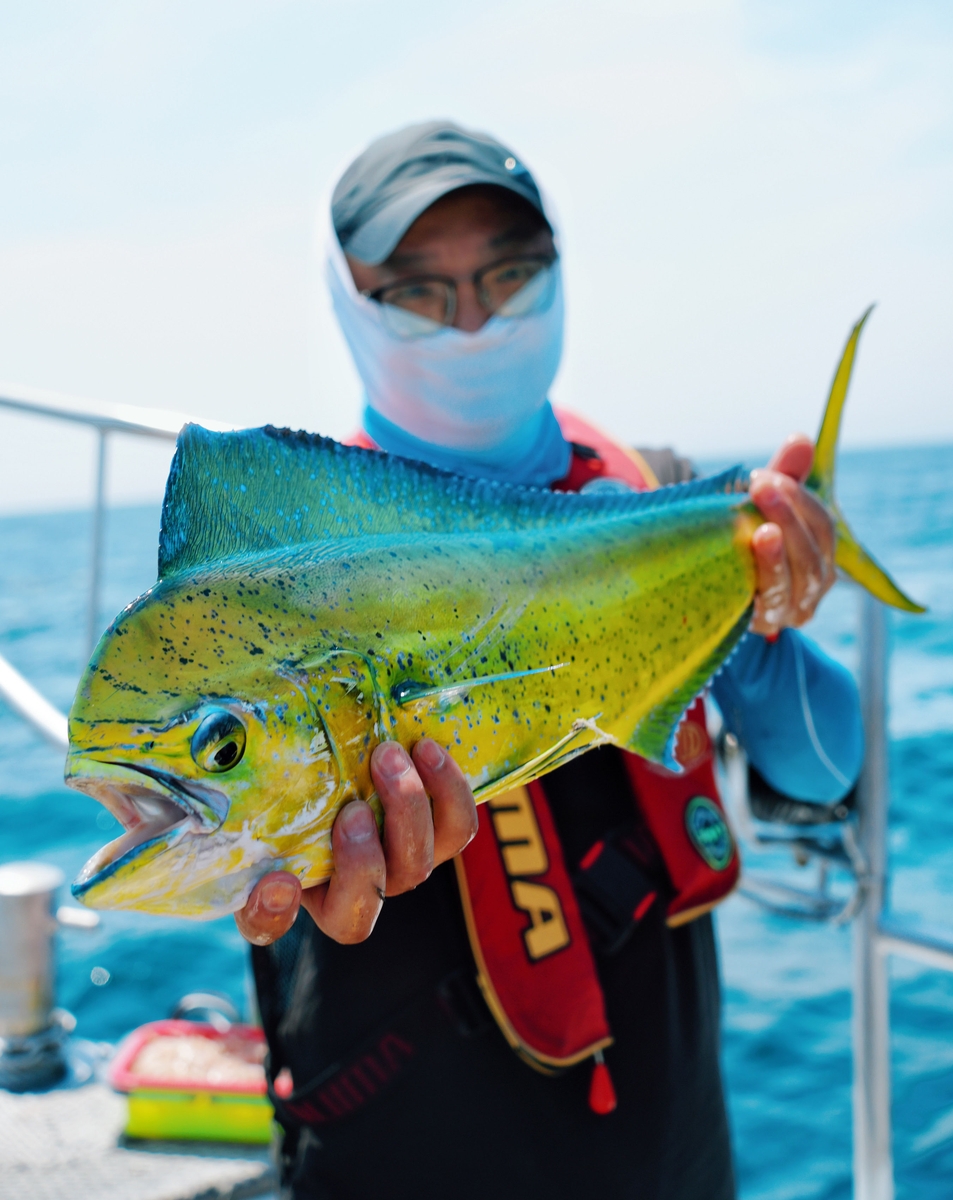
218	766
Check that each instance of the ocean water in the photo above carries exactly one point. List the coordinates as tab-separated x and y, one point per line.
786	984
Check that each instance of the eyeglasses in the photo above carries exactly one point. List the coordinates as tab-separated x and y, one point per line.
512	287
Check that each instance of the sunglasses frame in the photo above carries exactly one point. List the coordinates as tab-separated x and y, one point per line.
546	261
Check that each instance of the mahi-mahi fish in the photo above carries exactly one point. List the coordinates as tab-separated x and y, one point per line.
315	599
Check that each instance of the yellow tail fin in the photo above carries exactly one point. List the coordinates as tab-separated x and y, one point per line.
850	556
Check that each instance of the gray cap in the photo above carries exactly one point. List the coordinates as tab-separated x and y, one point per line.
387	187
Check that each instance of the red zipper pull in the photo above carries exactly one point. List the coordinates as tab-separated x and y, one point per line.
602	1098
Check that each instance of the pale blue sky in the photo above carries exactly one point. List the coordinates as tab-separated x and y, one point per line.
735	183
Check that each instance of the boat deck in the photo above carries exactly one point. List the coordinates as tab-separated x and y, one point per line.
68	1142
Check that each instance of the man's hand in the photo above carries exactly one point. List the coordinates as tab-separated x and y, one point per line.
416	839
794	551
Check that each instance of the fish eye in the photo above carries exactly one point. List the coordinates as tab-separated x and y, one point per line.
219	742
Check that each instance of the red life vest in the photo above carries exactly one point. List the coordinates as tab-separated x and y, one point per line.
535	964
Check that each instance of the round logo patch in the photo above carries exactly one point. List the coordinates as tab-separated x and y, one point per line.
709	832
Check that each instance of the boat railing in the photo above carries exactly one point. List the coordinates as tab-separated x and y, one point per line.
860	844
106	418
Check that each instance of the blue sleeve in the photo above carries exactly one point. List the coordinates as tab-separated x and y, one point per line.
797	714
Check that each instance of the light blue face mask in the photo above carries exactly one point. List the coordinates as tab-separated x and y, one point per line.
475	403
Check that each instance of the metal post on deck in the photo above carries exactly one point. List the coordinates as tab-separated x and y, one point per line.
96	562
873	1159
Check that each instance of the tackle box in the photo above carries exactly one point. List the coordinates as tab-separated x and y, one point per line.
188	1080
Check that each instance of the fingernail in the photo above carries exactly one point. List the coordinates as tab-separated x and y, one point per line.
392	760
768	494
277	896
431	754
357	822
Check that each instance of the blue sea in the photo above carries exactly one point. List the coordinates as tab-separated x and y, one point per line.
786	984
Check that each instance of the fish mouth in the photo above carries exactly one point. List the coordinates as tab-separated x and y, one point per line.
150	805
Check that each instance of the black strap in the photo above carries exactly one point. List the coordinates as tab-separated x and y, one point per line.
345	1086
617	882
588	453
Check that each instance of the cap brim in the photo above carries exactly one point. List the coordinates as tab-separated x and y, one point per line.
377	238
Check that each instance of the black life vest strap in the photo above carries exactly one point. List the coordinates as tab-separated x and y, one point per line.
344	1087
617	882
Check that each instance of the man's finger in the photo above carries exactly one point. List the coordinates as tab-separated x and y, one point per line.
795	458
775	496
773	599
408	821
347	907
818	521
454	809
271	909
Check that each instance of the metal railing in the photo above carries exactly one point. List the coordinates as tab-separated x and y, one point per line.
876	934
106	419
35	709
860	847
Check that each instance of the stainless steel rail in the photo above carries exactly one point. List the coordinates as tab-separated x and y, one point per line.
873	1161
105	418
876	934
108	418
898	937
35	709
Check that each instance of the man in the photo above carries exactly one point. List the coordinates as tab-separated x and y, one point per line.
391	1077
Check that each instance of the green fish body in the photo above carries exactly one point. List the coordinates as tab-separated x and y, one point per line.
315	599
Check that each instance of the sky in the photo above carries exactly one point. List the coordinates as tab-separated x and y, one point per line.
734	183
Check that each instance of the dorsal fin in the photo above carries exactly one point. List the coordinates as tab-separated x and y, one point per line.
264	489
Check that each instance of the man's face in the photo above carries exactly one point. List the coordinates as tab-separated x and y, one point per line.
456	237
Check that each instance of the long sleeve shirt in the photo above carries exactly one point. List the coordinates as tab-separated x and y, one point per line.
797	714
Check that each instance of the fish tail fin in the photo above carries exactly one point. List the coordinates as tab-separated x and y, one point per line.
854	561
850	555
821	478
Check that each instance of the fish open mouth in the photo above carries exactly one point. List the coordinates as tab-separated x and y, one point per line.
148	804
143	812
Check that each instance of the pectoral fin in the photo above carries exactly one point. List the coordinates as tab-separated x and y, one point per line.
583	735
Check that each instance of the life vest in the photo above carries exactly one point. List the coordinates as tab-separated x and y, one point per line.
530	924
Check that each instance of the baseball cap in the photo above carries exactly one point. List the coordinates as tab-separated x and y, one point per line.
399	175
